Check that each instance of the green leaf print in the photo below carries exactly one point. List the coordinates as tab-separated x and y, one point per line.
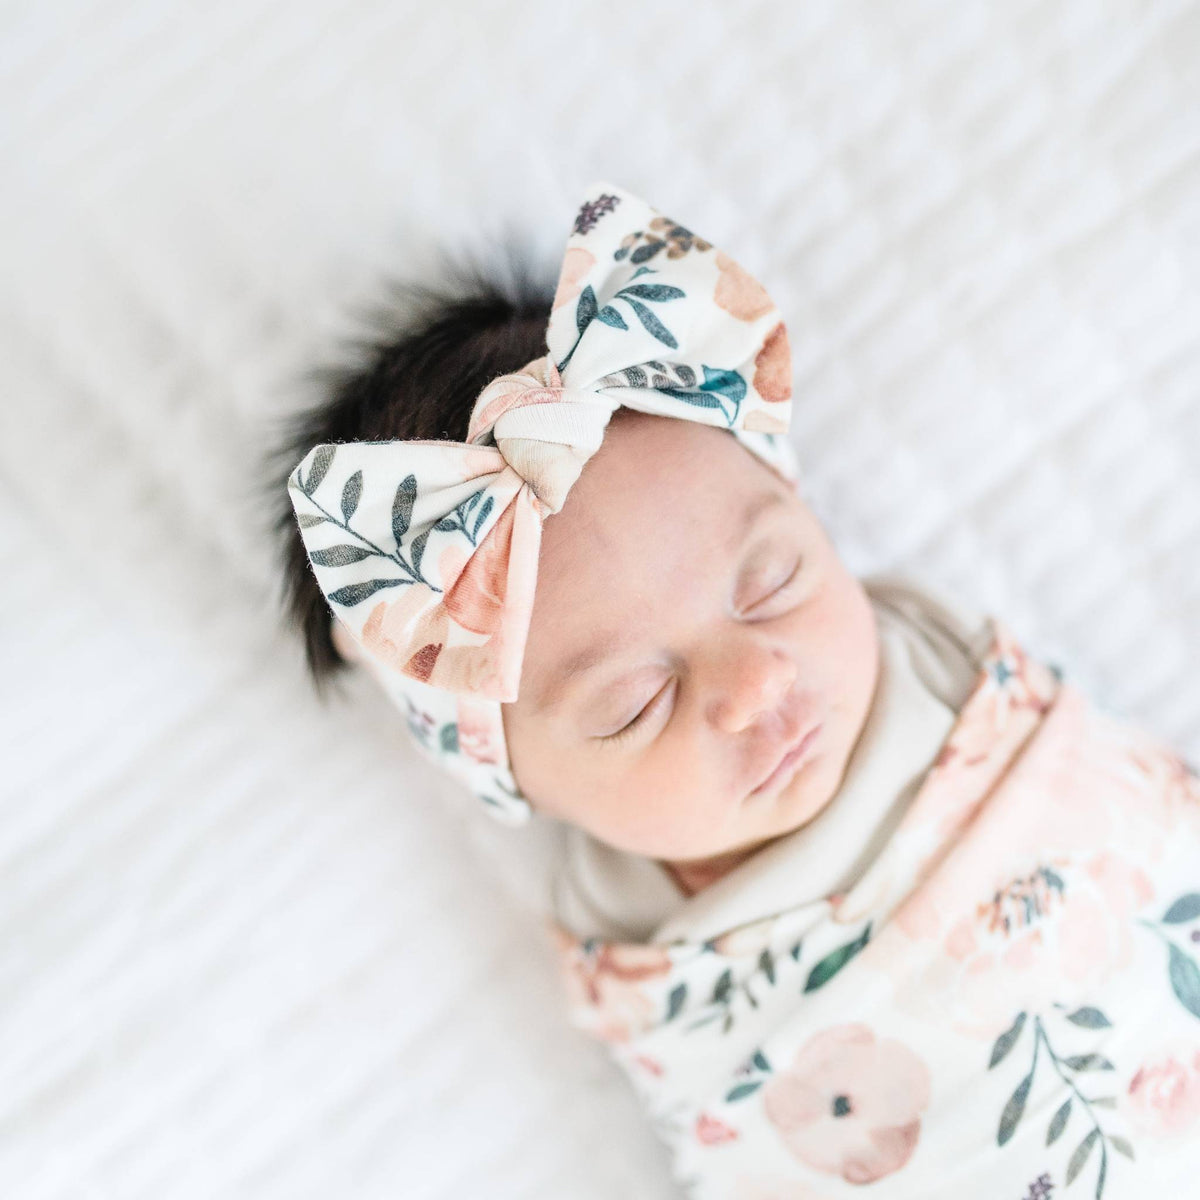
351	494
402	506
357	592
675	1000
1080	1157
481	517
723	987
1185	980
585	311
339	556
610	316
657	292
1186	908
1182	971
1087	1062
1007	1040
1089	1018
652	324
322	461
832	963
728	383
743	1090
1059	1122
767	966
1014	1110
417	550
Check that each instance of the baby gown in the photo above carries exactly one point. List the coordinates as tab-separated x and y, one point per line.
975	973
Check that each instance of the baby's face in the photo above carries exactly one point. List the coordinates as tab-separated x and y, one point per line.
675	652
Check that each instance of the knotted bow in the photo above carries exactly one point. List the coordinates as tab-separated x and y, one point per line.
427	550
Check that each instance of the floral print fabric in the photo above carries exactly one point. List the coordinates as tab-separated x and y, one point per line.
427	551
1006	1004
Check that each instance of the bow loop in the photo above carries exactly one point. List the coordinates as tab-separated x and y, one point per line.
427	550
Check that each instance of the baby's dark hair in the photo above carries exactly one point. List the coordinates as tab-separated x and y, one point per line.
427	353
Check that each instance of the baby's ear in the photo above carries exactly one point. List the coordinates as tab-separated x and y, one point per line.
345	645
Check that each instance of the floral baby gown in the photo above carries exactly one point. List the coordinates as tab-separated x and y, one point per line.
1004	1003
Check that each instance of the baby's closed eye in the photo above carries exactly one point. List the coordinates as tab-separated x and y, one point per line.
644	714
660	699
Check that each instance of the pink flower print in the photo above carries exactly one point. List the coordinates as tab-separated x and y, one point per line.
476	732
1162	1100
760	421
651	1065
738	292
492	595
1056	932
1175	788
850	1104
475	669
773	367
605	984
476	598
408	632
1008	680
577	262
480	460
711	1132
513	395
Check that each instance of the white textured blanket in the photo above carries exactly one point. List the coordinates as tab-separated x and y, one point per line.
251	946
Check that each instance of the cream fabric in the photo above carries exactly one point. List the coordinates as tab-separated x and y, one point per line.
930	650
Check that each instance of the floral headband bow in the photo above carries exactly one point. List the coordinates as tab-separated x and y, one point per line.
427	551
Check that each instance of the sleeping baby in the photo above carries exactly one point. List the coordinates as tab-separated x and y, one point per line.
862	898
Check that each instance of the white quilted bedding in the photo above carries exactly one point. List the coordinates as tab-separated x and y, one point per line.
251	946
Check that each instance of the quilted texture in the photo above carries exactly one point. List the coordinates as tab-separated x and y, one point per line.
246	946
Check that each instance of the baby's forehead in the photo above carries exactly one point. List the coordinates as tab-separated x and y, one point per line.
661	473
626	564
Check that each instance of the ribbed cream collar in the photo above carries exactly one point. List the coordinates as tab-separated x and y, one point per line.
930	651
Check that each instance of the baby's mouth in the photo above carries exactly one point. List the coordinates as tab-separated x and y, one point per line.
790	763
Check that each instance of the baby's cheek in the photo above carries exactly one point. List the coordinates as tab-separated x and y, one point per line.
860	653
847	608
669	805
841	647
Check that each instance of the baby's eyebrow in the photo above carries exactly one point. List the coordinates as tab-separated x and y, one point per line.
600	649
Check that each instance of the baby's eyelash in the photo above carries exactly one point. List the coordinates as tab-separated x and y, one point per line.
786	583
628	730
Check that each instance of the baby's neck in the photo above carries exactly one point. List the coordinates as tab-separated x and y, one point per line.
694	875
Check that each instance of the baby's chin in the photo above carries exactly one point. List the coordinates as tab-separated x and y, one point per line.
805	796
763	820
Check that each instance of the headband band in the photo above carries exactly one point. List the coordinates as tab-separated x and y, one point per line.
427	551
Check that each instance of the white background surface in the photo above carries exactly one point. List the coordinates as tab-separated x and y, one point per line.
250	946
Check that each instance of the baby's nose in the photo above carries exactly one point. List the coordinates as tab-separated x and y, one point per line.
752	681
